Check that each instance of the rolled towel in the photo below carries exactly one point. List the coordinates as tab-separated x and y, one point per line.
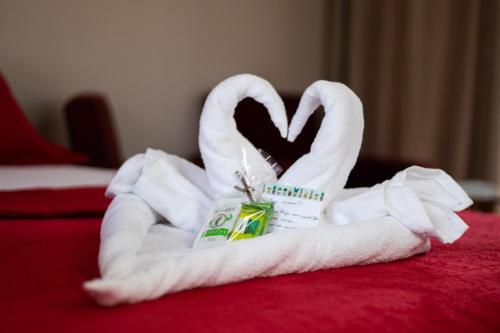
222	146
124	227
167	264
386	222
336	146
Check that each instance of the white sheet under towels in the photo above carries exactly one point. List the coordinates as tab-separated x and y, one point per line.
25	177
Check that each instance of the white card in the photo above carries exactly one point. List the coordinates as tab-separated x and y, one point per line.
295	206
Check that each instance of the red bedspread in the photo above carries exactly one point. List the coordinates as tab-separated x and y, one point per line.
42	203
452	288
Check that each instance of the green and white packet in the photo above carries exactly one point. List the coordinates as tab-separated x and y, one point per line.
218	228
234	219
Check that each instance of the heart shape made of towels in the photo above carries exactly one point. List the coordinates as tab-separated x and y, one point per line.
333	152
141	259
332	156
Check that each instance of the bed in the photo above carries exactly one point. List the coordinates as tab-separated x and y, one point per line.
49	242
50	218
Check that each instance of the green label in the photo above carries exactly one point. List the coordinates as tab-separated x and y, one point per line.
216	232
294	192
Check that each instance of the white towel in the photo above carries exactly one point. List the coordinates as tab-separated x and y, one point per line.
175	188
124	227
166	263
222	147
424	200
141	259
434	185
146	188
336	146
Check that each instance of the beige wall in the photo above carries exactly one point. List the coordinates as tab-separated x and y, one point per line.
154	59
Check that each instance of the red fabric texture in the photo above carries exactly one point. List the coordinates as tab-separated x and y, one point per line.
45	203
452	288
20	144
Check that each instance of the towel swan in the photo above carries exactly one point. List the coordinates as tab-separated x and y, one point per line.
423	200
141	261
140	188
335	149
221	144
146	182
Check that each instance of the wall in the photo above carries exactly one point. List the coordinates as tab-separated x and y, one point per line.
153	59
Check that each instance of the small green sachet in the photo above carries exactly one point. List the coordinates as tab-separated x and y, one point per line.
252	221
218	227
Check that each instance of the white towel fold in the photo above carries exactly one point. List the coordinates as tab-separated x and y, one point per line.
399	202
140	260
147	187
125	224
421	199
167	264
434	185
175	188
222	147
336	146
441	196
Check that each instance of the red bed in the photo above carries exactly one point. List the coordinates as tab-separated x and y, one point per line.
49	242
48	246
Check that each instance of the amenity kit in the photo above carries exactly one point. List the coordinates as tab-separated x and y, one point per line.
174	226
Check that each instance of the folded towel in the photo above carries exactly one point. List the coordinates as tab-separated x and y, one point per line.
222	147
125	225
421	199
382	200
146	188
434	185
175	188
336	146
141	259
167	264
